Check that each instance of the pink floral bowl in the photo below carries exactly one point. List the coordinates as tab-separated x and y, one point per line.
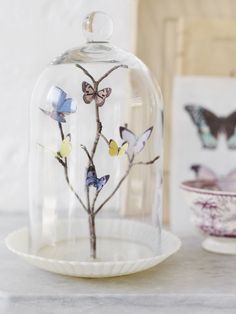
213	206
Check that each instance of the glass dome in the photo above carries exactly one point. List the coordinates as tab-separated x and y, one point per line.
96	154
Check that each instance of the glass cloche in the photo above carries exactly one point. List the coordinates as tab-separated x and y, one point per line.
96	155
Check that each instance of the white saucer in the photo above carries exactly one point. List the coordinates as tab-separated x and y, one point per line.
220	245
135	250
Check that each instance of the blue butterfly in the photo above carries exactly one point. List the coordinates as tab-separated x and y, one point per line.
61	105
93	180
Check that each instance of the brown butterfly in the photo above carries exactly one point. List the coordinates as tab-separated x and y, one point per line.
210	126
91	94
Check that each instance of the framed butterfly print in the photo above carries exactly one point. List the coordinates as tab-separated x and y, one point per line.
203	133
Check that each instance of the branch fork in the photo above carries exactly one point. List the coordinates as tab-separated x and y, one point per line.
90	207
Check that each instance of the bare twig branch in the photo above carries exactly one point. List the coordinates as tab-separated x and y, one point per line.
60	161
70	185
131	165
97	137
105	139
87	153
114	191
111	70
117	187
104	76
61	131
86	72
87	187
147	162
94	201
98	133
73	190
90	208
88	199
65	166
129	158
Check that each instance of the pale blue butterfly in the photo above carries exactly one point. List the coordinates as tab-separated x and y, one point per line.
61	105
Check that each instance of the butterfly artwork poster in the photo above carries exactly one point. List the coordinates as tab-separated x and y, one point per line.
203	133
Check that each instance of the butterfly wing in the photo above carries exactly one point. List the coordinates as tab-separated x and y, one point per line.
113	148
231	142
88	91
48	113
142	140
101	182
47	149
69	106
102	95
59	117
228	182
123	149
129	137
65	148
229	125
207	123
91	179
56	97
203	172
232	175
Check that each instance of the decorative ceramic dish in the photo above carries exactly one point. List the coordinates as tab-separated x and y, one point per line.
123	245
213	205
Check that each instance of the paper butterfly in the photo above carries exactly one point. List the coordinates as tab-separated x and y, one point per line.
135	143
65	148
209	126
91	94
115	150
93	180
204	173
61	105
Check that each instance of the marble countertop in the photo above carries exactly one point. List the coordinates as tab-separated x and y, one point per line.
191	280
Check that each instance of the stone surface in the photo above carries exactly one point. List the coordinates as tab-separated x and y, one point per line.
192	281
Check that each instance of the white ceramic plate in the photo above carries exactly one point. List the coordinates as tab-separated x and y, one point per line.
135	242
220	245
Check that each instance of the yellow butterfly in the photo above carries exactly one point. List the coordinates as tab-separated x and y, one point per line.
65	148
115	150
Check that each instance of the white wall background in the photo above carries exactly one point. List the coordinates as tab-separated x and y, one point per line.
32	33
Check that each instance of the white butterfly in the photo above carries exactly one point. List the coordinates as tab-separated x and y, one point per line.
90	94
136	143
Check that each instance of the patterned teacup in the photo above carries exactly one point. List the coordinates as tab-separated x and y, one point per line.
213	206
